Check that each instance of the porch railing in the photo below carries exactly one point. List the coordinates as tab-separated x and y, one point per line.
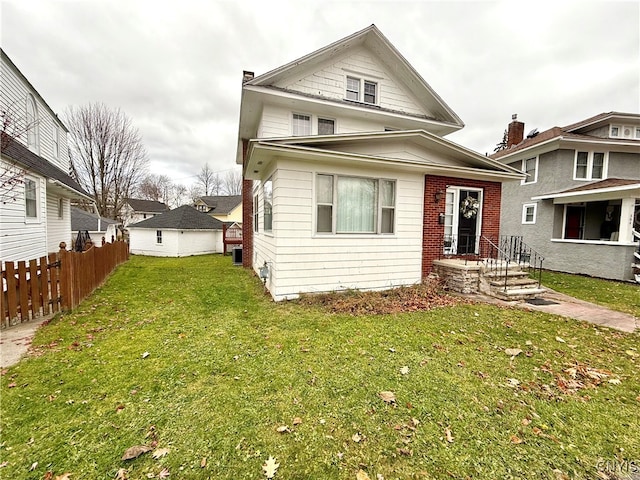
496	254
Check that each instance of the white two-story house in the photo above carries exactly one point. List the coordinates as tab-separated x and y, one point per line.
348	181
35	187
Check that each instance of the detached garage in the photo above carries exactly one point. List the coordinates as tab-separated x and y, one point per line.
177	233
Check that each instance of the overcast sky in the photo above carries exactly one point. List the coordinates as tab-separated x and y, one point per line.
175	68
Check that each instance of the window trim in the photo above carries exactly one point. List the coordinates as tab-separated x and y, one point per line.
293	124
256	215
36	189
589	173
361	94
525	207
334	206
326	119
33	124
268	226
526	180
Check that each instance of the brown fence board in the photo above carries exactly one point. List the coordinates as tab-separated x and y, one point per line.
34	288
44	286
23	291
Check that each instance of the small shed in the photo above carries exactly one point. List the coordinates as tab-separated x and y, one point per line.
181	232
96	226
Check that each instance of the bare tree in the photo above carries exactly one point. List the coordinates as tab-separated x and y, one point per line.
12	128
178	194
194	192
233	182
155	187
107	155
206	179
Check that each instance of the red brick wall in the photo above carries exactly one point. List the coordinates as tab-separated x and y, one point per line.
247	215
432	231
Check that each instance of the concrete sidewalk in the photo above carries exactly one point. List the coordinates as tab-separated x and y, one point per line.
570	307
15	341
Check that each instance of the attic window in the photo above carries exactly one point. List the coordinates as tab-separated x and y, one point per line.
360	90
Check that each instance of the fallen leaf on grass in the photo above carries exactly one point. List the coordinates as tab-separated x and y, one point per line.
164	473
297	421
64	476
4	464
387	397
405	451
516	440
615	381
447	435
159	453
356	437
362	475
145	354
33	466
513	352
558	339
270	467
121	474
282	429
203	462
135	451
48	475
404	370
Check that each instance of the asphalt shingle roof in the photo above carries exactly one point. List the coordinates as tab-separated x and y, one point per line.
601	184
83	220
181	218
35	163
139	205
222	204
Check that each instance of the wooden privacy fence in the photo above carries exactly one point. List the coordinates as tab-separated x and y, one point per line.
59	281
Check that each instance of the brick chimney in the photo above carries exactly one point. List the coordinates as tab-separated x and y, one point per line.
246	76
515	133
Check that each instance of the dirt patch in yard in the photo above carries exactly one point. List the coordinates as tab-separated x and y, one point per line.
425	296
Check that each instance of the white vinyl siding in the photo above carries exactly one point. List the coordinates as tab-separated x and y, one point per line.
175	243
330	81
309	262
58	229
267	198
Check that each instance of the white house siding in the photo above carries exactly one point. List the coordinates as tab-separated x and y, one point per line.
14	93
329	81
276	122
307	262
58	229
22	238
175	243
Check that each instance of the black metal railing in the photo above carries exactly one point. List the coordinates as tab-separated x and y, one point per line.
496	254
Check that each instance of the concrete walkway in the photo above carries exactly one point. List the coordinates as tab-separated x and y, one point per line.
15	341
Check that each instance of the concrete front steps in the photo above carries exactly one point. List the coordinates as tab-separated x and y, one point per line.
517	285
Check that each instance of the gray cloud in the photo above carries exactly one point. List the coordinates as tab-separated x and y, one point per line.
175	67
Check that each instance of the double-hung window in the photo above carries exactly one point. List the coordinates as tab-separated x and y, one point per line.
354	204
530	167
267	194
158	236
255	213
590	166
31	198
301	125
529	213
360	90
326	126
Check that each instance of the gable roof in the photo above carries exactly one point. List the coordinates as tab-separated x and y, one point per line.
221	204
569	133
83	220
373	38
139	205
182	218
16	151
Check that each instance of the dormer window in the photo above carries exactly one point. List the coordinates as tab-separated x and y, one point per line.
624	131
615	131
360	90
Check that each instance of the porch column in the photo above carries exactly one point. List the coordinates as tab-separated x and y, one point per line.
626	220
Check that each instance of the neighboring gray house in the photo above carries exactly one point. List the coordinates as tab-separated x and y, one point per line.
181	232
579	205
96	226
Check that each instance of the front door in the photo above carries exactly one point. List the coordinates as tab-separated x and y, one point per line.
463	211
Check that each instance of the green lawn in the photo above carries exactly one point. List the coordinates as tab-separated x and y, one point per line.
621	296
190	356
